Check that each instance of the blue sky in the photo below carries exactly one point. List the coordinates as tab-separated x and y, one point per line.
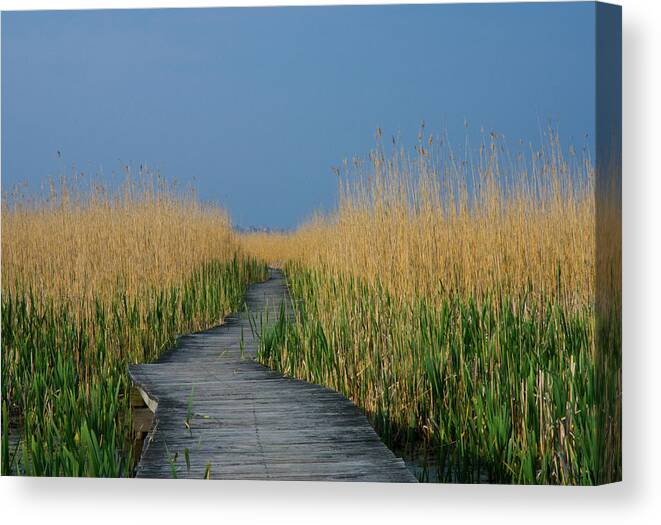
257	104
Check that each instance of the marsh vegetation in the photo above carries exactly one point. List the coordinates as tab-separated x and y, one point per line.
453	299
92	280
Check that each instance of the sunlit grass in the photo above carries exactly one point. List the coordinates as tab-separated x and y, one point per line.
91	282
453	298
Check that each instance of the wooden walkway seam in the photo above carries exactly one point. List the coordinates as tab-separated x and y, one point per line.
236	419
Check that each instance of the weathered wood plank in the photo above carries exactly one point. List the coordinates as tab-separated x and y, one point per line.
241	420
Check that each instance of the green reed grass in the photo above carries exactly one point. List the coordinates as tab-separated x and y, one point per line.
469	303
65	386
500	389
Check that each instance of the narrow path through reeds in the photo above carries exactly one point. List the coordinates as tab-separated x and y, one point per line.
220	414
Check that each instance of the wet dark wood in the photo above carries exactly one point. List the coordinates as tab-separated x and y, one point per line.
240	420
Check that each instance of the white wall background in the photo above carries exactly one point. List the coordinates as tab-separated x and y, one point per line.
636	500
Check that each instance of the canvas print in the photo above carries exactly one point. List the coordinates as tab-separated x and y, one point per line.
340	243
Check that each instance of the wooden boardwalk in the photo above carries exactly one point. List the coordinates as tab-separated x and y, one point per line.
241	420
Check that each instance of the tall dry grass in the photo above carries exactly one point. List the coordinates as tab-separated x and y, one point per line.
453	298
93	279
80	241
433	222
